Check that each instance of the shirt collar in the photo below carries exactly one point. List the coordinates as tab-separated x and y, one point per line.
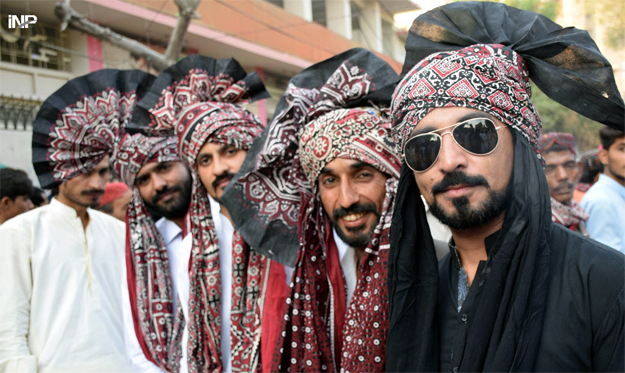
61	209
169	230
488	244
612	184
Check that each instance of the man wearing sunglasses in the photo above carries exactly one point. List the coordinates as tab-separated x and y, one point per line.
516	292
563	172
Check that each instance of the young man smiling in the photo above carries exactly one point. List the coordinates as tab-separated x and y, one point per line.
516	292
325	173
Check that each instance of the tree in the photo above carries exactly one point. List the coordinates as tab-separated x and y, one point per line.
70	17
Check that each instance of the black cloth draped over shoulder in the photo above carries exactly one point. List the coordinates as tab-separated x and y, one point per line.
565	63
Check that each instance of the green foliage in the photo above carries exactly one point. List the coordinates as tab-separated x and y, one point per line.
557	118
610	14
548	8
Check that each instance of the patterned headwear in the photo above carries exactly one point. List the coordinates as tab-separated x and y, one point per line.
157	325
334	109
547	140
490	78
112	192
77	126
198	99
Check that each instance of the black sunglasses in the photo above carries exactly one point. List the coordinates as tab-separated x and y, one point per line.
476	136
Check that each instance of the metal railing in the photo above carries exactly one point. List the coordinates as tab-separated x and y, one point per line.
18	113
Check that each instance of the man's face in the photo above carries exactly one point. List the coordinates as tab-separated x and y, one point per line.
217	164
562	172
11	208
165	188
120	205
613	160
86	190
352	194
465	191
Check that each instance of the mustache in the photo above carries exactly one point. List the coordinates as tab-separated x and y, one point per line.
458	178
225	176
92	192
164	191
563	185
354	209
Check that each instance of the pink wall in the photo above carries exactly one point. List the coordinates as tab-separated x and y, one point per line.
94	50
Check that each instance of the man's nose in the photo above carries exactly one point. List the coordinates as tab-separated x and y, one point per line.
220	166
561	173
159	182
451	156
348	195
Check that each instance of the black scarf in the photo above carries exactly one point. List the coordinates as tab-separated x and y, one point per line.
508	310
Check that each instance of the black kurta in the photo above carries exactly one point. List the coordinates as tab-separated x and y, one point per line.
584	326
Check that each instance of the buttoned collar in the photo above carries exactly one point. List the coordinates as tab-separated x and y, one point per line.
169	230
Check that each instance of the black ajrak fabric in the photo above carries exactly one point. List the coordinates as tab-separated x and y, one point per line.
78	125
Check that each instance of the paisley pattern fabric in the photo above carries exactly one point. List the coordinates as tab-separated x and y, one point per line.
78	125
487	77
158	325
198	100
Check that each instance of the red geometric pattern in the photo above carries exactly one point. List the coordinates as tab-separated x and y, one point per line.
86	131
158	326
492	78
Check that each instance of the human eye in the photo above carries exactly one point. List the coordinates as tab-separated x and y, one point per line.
549	169
203	161
328	181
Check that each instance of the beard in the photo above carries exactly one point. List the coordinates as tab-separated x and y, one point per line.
74	197
616	174
178	207
466	216
359	236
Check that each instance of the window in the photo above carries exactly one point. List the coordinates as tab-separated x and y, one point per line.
40	45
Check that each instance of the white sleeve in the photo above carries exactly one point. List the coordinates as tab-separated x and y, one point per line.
140	364
16	284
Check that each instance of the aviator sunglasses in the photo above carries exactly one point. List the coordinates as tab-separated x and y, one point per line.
476	136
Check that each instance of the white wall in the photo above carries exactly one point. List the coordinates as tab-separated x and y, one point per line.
15	151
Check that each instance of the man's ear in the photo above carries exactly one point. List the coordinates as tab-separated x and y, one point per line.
5	203
603	157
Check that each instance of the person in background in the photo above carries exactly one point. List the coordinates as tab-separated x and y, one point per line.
60	264
15	191
115	200
605	200
39	197
591	169
562	172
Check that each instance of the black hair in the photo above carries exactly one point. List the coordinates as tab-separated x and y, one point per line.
14	183
108	208
36	196
609	135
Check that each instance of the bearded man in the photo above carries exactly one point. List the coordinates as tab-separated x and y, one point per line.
563	172
156	261
60	265
325	173
516	292
234	292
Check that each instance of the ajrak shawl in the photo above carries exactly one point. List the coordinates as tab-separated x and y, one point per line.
158	325
456	58
321	117
198	99
78	125
572	216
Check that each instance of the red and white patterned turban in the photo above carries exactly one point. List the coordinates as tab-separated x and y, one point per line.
360	133
487	77
78	125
